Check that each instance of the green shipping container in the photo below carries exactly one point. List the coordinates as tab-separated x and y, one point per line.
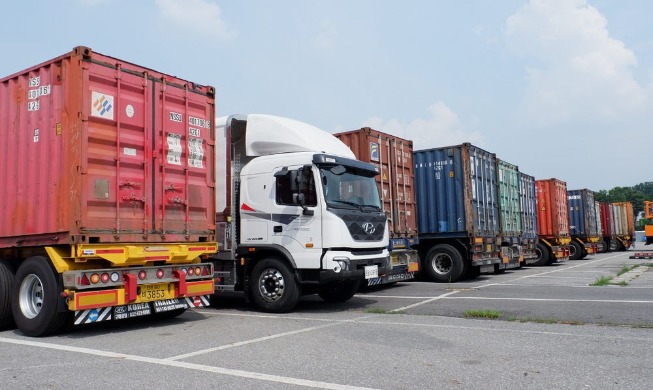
509	202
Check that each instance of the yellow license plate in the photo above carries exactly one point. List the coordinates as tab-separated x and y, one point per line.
152	292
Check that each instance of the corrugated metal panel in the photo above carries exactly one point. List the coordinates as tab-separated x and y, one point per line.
552	212
509	199
607	222
528	205
582	213
625	220
101	150
597	209
456	189
394	158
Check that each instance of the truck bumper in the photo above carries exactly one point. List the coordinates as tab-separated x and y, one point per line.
404	263
342	265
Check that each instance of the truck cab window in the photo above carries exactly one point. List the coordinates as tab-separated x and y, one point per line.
286	185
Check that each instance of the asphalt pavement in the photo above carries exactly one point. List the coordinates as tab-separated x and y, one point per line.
550	328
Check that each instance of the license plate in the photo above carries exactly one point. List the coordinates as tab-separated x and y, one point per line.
371	271
151	292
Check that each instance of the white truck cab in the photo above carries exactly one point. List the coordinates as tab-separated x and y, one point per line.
298	214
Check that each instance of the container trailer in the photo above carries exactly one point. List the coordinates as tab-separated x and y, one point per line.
297	214
393	156
108	181
624	225
583	225
510	217
552	221
457	212
528	202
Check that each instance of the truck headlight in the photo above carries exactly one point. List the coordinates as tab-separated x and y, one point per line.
342	264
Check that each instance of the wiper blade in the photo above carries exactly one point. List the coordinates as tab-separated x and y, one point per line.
348	203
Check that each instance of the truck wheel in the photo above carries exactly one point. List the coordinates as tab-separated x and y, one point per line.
575	250
614	245
34	298
339	291
6	281
603	246
443	263
273	287
542	253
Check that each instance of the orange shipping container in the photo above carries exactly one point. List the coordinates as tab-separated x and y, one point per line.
552	211
394	158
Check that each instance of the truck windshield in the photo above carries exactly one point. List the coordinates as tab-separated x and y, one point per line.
346	188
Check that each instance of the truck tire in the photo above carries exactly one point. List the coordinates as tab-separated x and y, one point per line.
272	287
6	282
614	245
576	250
443	263
603	246
339	291
542	255
34	298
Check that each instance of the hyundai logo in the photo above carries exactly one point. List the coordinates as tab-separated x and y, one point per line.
368	227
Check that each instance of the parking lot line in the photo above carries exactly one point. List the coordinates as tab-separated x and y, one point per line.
190	366
423	302
551	299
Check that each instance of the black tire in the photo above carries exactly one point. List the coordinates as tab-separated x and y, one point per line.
603	246
498	270
614	245
272	287
576	250
34	298
543	257
443	263
6	283
339	291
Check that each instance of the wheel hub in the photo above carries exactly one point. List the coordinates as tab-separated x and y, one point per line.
271	285
30	296
442	264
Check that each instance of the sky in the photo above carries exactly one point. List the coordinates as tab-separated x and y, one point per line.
561	88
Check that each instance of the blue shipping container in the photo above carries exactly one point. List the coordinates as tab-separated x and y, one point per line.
582	213
456	192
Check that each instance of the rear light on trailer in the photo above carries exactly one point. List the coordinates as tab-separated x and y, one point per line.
198	271
115	277
95	278
104	277
205	271
84	280
190	271
142	274
159	273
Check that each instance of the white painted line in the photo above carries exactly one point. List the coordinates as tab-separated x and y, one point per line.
423	302
252	341
551	299
190	366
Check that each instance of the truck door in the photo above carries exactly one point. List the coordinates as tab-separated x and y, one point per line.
296	215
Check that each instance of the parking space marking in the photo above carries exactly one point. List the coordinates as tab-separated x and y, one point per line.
423	302
551	299
251	341
190	366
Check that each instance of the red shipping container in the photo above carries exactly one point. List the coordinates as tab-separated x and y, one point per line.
607	224
394	158
552	211
95	149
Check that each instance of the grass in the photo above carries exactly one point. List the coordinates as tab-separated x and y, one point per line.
545	321
491	314
625	268
602	281
384	311
622	283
